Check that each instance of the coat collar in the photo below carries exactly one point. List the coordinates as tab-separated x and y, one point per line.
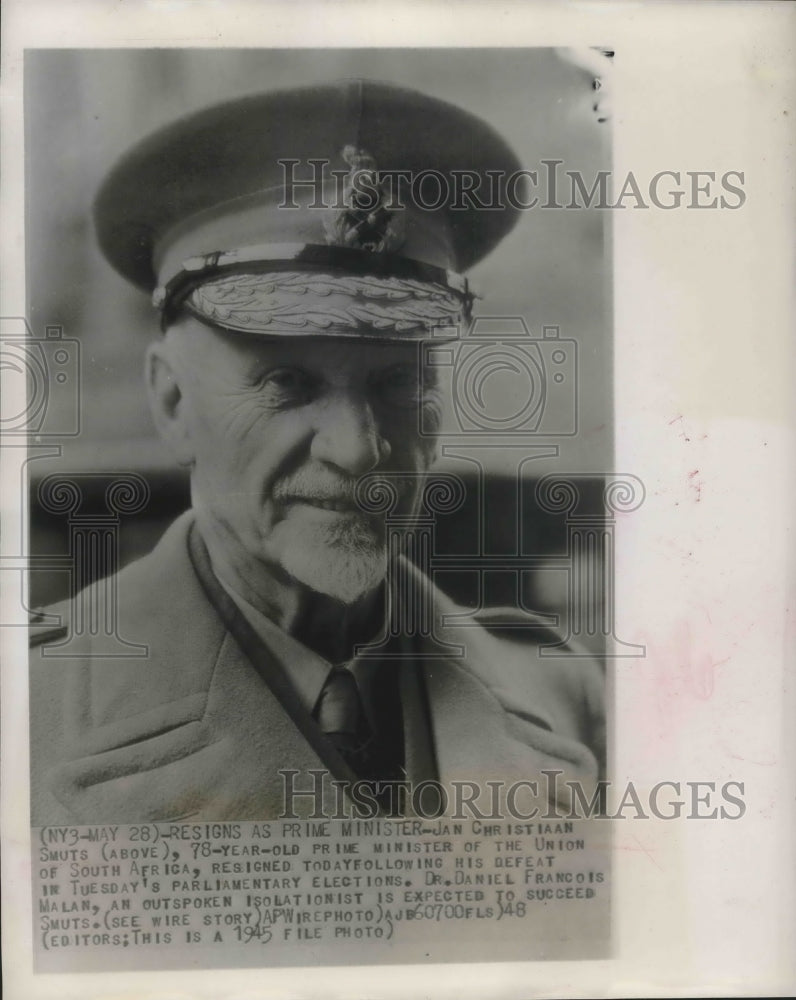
192	731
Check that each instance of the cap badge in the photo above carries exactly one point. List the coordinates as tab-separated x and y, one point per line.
367	220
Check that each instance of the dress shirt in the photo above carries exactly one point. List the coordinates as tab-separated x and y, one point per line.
307	670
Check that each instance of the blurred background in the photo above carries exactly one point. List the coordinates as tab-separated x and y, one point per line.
84	108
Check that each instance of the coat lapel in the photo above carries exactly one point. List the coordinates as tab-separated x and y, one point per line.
201	727
485	730
190	730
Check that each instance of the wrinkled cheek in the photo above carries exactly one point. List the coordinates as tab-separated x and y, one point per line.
230	488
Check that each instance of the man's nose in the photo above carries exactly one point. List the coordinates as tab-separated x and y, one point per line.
348	436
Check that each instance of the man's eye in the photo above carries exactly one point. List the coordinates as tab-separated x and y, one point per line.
399	385
291	383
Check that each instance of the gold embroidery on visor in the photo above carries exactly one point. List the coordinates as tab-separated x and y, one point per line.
306	303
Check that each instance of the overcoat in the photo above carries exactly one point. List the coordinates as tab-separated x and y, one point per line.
204	724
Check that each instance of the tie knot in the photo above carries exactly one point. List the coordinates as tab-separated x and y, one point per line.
340	707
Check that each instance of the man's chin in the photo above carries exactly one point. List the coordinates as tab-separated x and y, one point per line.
343	561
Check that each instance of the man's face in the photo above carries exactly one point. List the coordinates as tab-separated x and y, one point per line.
280	431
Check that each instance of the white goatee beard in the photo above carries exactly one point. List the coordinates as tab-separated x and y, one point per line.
343	561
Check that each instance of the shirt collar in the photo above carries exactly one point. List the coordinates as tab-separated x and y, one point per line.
308	671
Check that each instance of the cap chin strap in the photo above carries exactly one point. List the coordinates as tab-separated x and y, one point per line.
309	288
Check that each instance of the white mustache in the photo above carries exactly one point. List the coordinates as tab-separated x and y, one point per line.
307	486
321	488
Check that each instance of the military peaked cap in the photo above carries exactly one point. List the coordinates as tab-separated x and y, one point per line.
350	208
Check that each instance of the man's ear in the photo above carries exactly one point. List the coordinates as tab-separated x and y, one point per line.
167	402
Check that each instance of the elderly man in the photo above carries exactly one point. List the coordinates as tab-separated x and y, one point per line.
288	370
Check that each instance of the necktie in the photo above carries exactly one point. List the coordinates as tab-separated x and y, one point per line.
342	718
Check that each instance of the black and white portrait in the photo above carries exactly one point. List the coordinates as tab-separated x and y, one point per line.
333	335
396	430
